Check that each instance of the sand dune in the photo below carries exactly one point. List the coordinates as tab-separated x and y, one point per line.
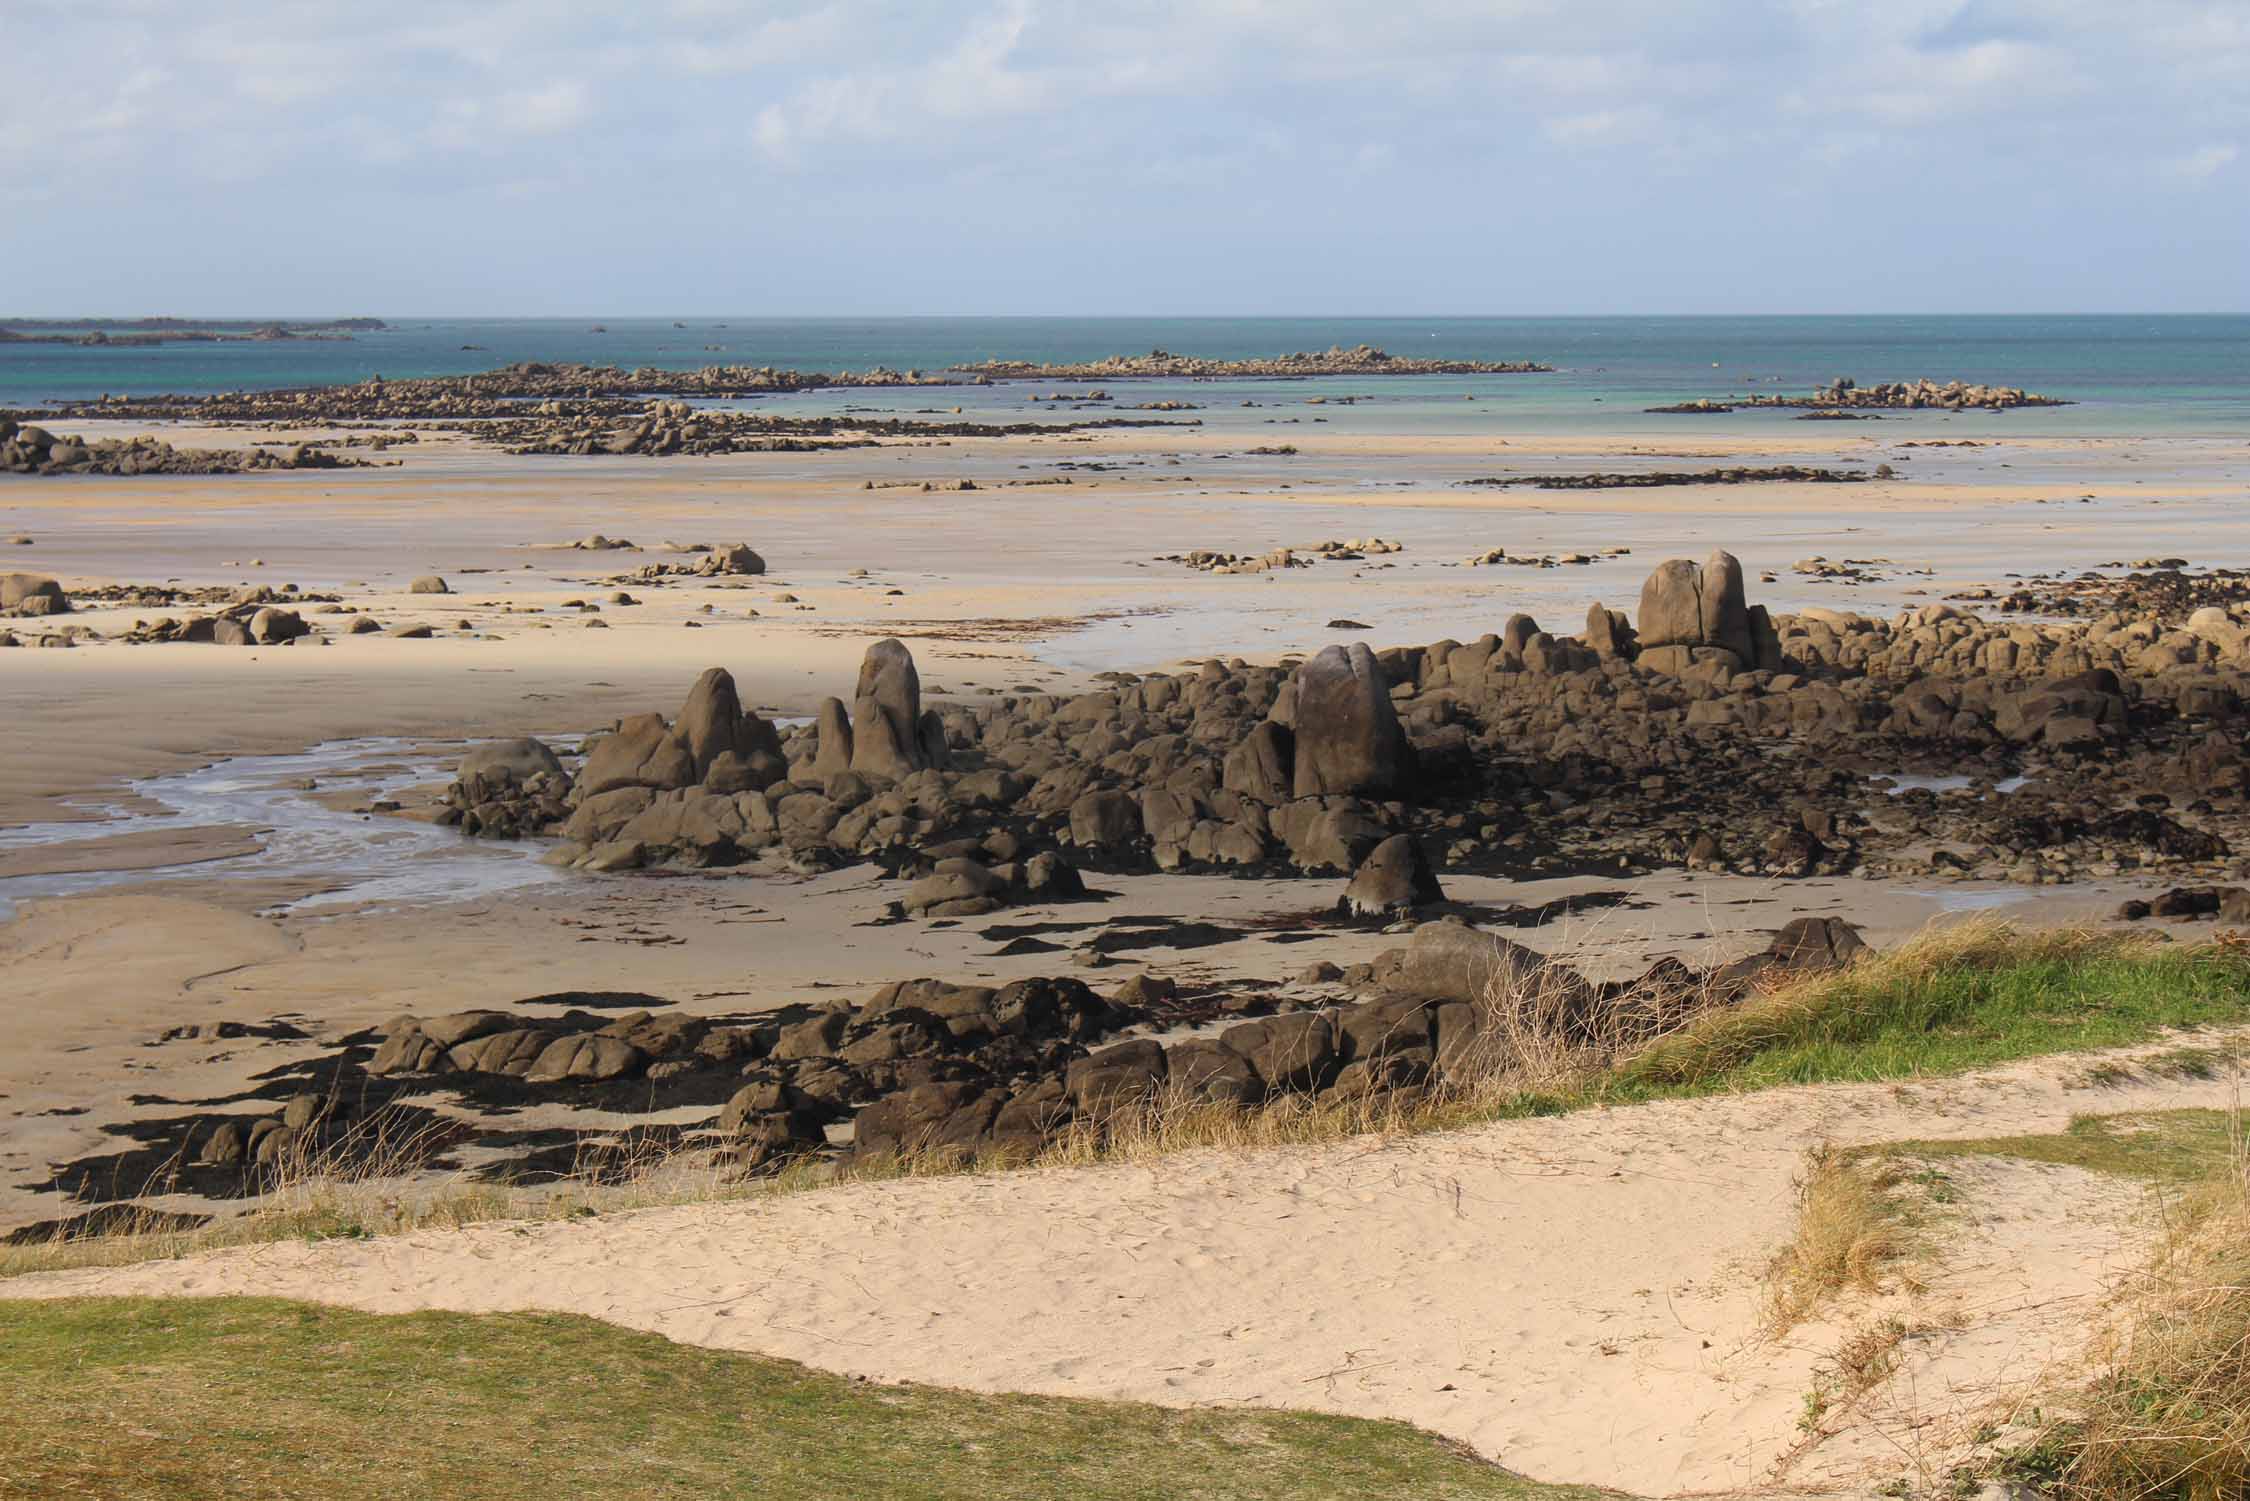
1577	1298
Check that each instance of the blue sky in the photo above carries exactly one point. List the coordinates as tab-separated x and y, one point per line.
1130	156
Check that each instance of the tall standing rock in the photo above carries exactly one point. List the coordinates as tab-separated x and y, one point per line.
887	713
1726	611
1608	632
1349	742
713	724
710	722
1671	606
834	724
1690	605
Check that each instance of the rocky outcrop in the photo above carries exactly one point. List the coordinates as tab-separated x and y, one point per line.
1654	479
1710	735
26	449
1847	395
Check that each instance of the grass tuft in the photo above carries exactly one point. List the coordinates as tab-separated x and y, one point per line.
1853	1228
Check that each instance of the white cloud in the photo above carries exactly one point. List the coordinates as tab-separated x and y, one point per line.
2201	163
558	106
883	113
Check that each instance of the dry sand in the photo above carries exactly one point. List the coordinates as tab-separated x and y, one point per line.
1577	1298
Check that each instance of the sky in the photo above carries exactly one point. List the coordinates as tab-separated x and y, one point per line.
871	157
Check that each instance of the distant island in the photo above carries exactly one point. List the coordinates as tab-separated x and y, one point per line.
129	332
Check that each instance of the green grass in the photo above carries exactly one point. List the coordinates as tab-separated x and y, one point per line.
2172	1147
139	1399
1951	1003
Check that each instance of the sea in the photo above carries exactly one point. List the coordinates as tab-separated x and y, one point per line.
2126	374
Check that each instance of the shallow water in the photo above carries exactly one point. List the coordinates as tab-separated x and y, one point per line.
362	858
1907	782
1982	900
2130	373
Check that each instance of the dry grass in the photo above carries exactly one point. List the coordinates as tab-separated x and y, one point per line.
2169	1415
1854	1228
376	1178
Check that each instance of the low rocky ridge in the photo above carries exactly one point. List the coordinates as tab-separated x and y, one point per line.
35	450
1332	551
668	428
923	1065
1710	735
259	615
1363	359
609	390
1795	474
143	332
2156	588
1846	396
491	393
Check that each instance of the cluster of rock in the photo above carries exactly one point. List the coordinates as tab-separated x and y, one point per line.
725	560
1362	359
298	1131
1797	474
2229	904
783	1081
2157	588
1703	731
1203	560
1355	550
1000	1071
237	625
1846	396
35	450
1493	556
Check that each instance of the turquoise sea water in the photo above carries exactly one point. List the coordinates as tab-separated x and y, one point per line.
2133	374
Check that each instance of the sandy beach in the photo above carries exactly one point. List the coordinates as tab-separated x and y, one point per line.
221	872
1012	590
